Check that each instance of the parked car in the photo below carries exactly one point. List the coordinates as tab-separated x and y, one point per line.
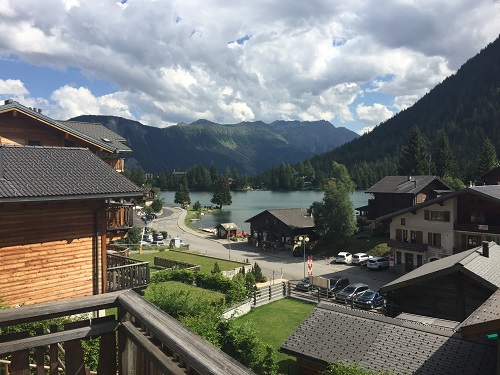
157	236
157	243
147	237
360	258
369	299
143	243
349	292
377	263
336	283
304	285
344	257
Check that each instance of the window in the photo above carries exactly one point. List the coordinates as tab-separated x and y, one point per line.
434	239
413	236
419	260
472	242
398	257
405	235
437	215
403	221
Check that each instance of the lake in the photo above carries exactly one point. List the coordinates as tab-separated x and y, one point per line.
247	204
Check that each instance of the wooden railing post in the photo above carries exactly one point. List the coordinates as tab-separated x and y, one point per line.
54	355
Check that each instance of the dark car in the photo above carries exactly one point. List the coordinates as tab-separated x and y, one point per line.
349	292
304	285
369	299
157	236
336	284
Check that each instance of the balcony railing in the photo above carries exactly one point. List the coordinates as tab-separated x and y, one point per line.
120	217
477	228
126	273
142	340
407	246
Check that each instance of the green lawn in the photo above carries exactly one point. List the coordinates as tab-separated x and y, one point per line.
275	322
206	263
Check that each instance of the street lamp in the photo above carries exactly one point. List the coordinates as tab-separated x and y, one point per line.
303	241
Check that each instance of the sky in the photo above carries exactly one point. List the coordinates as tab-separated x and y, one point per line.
355	63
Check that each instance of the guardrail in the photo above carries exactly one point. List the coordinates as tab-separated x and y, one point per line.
126	273
141	340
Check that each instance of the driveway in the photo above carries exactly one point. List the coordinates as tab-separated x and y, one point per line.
280	265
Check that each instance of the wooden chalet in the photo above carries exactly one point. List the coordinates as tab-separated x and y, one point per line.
492	177
23	126
393	193
226	230
60	208
281	227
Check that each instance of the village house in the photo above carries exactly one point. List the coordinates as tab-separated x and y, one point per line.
24	126
393	193
282	227
443	226
60	207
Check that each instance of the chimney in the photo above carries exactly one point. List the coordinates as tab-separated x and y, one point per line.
486	249
409	178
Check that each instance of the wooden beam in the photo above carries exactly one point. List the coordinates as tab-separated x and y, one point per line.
43	311
54	338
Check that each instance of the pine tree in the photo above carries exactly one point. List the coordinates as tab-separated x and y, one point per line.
222	194
414	158
487	158
182	194
444	159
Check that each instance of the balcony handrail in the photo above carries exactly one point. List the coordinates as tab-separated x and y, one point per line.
407	245
159	338
122	260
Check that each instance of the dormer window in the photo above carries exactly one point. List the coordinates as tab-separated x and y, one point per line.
107	140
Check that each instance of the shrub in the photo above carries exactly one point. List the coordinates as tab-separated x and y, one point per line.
183	276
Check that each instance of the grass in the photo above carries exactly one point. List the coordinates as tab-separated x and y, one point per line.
206	263
275	322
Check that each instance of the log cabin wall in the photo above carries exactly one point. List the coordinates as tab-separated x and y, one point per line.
47	250
19	129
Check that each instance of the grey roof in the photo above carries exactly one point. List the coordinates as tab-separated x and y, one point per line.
402	184
99	132
471	262
92	137
31	173
334	333
293	217
487	312
489	192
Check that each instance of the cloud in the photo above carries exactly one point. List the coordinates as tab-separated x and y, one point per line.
373	115
173	61
12	87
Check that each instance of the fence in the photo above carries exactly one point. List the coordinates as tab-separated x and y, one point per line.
168	263
269	293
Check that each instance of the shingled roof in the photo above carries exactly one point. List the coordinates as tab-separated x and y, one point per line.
99	132
334	333
486	318
471	262
33	173
292	217
91	135
403	184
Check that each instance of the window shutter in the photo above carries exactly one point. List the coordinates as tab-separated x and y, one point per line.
438	239
429	239
419	238
426	214
447	216
399	235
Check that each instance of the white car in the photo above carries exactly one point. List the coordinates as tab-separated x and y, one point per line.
344	257
360	258
378	263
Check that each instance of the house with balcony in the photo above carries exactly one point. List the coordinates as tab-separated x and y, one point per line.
281	226
443	226
61	206
393	193
24	126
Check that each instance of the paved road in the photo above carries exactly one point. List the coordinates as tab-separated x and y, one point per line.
275	266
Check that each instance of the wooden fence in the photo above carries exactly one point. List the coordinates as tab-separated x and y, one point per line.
126	273
269	293
168	263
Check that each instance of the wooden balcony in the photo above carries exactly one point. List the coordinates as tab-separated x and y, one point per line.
126	273
408	246
477	228
119	217
141	340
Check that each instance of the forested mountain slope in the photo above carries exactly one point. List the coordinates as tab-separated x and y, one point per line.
466	106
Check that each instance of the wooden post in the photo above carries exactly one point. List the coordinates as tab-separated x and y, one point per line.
53	354
104	258
39	354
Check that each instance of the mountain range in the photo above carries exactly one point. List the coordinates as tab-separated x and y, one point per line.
249	147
